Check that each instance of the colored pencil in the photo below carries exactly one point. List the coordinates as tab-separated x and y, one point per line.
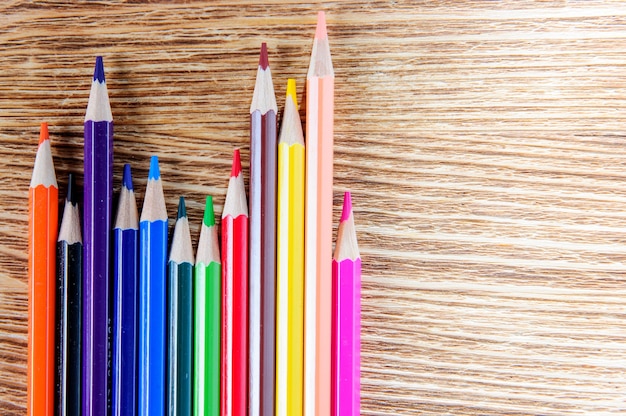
207	318
152	296
180	318
318	224
233	397
125	301
262	331
98	195
43	200
346	338
290	260
69	306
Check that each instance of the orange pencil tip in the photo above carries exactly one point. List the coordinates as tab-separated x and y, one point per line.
320	31
236	170
43	133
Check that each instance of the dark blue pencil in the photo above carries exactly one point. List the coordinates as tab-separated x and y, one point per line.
152	306
126	301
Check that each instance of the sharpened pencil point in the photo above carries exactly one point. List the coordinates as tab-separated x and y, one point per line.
154	172
320	31
127	179
98	73
347	206
71	191
209	214
236	170
291	90
182	211
263	59
43	133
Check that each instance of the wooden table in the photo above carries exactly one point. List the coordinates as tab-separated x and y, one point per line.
483	143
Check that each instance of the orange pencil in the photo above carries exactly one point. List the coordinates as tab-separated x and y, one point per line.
43	205
318	225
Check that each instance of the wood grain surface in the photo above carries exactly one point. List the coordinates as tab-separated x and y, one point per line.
482	141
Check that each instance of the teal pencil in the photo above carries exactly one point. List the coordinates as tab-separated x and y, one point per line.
180	318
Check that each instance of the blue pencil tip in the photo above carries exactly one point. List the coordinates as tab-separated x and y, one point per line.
182	211
98	73
127	179
154	172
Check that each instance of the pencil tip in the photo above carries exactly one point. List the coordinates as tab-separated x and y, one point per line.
127	178
209	214
154	172
98	73
182	211
71	191
291	90
263	59
236	170
43	133
347	206
320	31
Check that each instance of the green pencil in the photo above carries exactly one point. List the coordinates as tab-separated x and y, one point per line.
208	290
180	318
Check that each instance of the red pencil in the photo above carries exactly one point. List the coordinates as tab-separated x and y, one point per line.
234	380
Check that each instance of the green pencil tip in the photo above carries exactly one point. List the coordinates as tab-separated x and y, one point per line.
182	211
209	215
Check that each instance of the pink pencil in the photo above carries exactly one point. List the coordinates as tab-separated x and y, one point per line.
346	337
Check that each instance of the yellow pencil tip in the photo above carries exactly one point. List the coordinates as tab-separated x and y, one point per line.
291	90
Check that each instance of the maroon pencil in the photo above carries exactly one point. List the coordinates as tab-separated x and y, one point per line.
262	271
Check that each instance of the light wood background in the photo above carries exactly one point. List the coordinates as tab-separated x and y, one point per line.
483	143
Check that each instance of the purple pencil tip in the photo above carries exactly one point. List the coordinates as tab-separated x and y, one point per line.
98	73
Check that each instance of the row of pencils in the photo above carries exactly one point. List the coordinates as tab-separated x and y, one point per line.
264	322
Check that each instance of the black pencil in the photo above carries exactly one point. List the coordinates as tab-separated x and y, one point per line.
69	307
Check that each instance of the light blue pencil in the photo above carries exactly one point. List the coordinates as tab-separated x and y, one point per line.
152	289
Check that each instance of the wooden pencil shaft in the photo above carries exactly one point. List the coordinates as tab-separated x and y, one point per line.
69	327
180	338
207	339
125	322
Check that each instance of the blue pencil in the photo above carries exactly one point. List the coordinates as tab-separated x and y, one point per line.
126	301
152	306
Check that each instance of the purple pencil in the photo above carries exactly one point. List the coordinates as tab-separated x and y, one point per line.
96	256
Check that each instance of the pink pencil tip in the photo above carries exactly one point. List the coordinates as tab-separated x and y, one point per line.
320	31
43	133
347	206
236	170
263	60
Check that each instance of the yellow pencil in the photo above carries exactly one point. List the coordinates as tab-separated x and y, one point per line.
290	261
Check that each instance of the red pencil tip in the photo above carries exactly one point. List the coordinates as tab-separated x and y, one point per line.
236	170
320	31
43	133
347	206
263	60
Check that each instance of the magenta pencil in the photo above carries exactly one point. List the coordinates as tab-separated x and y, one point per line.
346	338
